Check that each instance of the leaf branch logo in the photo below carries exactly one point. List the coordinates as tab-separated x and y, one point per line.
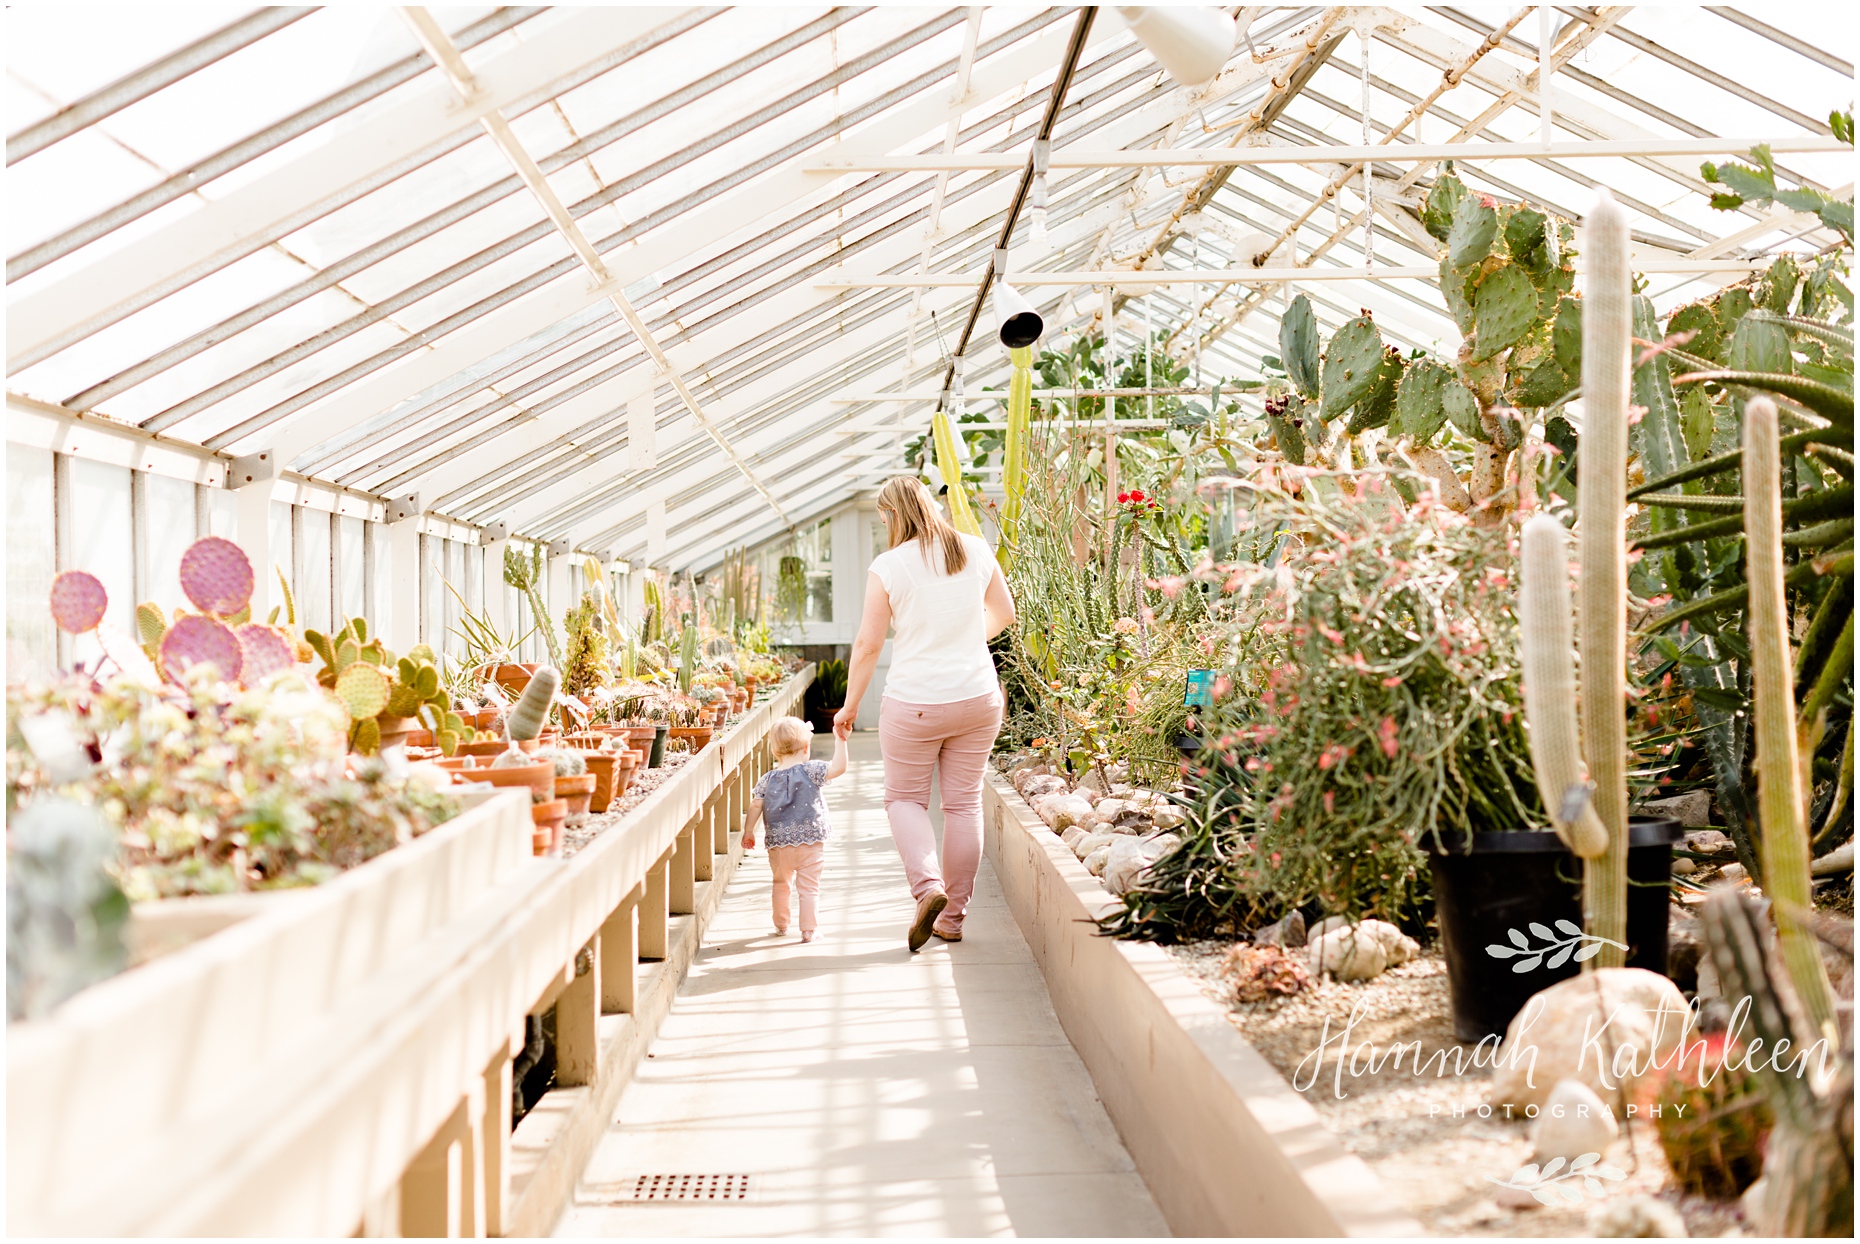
1548	1183
1576	944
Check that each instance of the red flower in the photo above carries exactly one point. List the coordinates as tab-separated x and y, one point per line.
1123	497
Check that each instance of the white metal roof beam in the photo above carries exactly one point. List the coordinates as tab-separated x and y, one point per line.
434	39
372	154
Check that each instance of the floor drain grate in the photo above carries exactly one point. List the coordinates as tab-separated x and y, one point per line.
690	1188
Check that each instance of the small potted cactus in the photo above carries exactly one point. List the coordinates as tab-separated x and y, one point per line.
527	717
573	782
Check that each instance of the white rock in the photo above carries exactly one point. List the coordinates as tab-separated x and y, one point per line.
1608	1028
1324	926
1038	784
1091	842
1095	862
1682	865
1168	818
1130	858
1711	842
1692	809
1092	782
1346	955
1636	1217
1732	873
1574	1121
1073	834
1396	946
1111	807
1062	810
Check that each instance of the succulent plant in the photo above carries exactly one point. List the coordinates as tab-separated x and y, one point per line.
526	717
78	601
196	639
217	576
64	912
568	763
687	657
1549	653
514	757
1713	1121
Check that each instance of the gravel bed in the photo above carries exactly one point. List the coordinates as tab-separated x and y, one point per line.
644	782
1435	1165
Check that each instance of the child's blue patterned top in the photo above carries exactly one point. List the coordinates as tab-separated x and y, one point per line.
793	807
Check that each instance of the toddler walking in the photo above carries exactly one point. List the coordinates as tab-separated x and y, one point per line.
789	799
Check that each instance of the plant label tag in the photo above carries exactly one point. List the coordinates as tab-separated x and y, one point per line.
1199	690
1575	799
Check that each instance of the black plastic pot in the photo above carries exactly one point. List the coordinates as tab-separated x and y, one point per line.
1517	883
656	756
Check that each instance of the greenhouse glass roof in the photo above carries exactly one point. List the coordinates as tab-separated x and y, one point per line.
548	267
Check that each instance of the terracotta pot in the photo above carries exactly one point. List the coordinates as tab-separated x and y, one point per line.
538	778
749	689
698	736
483	719
456	764
548	818
510	676
398	729
579	791
587	740
601	766
419	738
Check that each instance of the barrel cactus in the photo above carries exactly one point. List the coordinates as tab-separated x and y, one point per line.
1713	1121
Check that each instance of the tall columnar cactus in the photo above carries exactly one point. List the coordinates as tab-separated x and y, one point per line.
1780	804
531	710
1607	325
687	659
1550	688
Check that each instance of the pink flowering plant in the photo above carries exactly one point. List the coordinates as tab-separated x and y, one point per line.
1368	697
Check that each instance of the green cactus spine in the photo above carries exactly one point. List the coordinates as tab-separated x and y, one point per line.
1550	684
1607	325
1780	805
532	707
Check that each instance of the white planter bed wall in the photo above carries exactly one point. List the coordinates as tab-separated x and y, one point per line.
342	1062
1225	1145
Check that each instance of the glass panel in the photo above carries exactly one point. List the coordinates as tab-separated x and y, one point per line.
222	513
383	615
170	530
816	549
350	597
313	569
281	547
100	537
31	649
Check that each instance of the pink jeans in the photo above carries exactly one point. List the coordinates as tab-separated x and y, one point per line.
951	742
802	866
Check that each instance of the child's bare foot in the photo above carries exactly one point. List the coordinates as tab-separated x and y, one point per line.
807	935
781	931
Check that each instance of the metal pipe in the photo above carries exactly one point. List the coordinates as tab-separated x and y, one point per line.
109	100
1067	66
246	150
1820	56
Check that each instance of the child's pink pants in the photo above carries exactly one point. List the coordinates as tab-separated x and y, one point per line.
950	742
802	866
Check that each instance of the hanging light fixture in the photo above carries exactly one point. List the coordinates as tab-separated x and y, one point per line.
1191	43
1036	197
1016	321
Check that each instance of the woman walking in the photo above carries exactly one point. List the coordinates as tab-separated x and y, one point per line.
944	595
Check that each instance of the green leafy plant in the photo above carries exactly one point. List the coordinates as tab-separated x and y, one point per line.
1756	183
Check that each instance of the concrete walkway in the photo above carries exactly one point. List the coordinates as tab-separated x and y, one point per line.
865	1090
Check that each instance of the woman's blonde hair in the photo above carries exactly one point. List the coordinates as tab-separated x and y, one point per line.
790	735
914	517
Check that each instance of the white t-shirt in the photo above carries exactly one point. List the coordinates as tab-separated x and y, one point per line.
939	650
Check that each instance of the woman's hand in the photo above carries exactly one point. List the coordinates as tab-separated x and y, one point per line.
843	721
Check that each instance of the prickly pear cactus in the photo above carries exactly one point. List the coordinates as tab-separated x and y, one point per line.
217	576
195	639
1285	416
78	601
151	625
1352	365
532	707
363	691
266	650
1298	346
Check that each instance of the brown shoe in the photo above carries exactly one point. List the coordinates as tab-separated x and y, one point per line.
929	907
948	935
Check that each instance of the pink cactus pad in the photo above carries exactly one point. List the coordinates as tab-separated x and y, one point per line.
195	640
78	601
266	650
216	575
